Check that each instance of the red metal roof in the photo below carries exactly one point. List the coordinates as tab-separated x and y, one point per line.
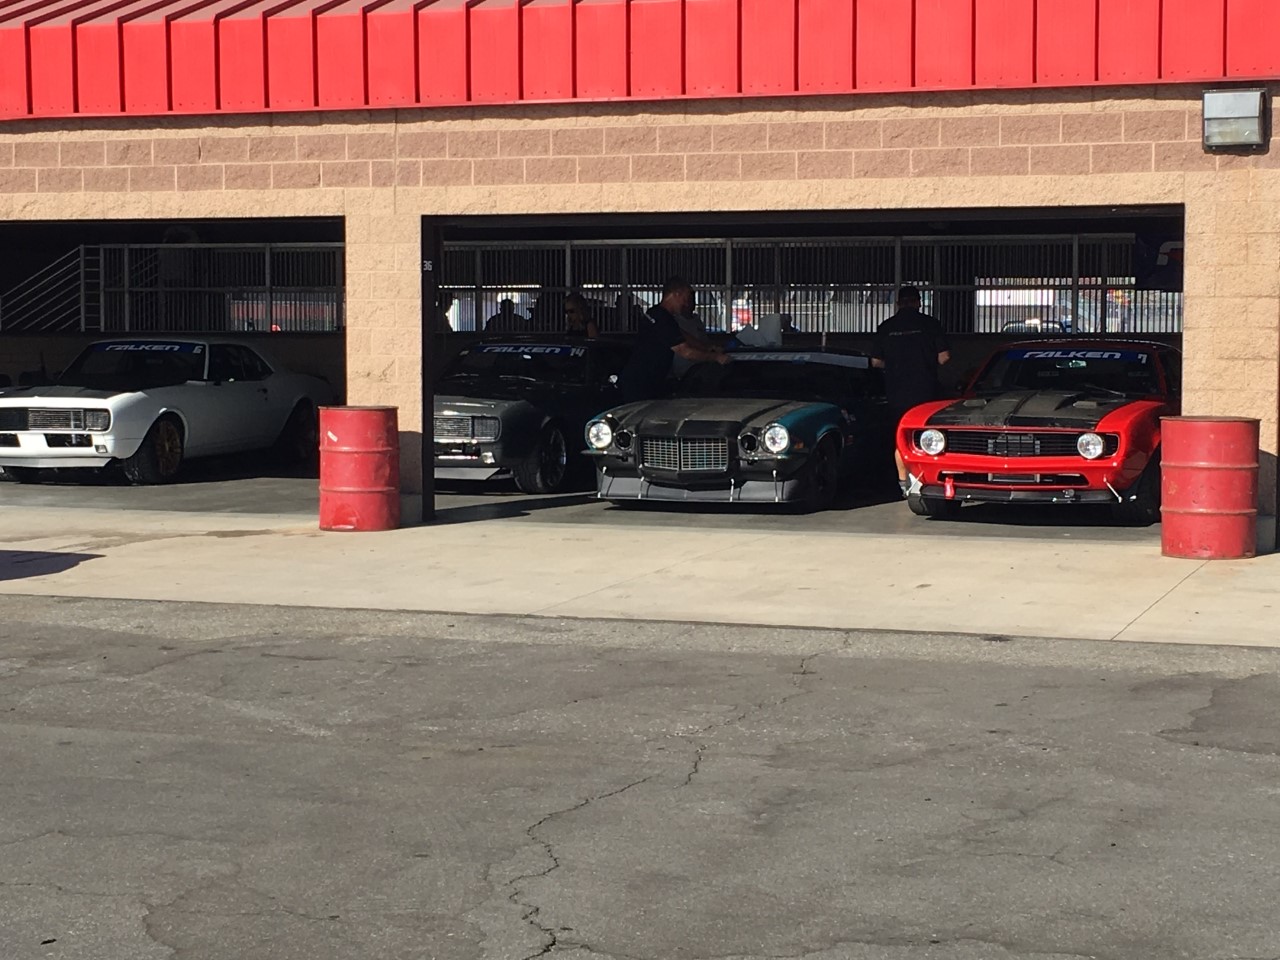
63	58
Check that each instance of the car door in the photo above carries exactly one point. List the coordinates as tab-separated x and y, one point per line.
237	407
272	404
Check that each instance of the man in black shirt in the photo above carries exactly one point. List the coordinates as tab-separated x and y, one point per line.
658	340
910	346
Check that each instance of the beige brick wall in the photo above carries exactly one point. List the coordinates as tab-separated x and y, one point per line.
383	170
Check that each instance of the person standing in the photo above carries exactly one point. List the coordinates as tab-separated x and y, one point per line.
911	347
659	340
578	320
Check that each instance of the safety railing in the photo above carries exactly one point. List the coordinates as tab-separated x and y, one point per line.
1068	283
183	288
54	299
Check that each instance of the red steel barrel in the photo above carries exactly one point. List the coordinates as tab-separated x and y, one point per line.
359	468
1209	487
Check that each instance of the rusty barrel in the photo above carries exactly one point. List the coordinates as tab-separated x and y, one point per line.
359	468
1209	487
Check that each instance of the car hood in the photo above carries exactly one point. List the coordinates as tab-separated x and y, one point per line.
696	416
1030	408
23	396
494	388
451	405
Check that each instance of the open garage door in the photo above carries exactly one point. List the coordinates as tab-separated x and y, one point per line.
831	277
246	309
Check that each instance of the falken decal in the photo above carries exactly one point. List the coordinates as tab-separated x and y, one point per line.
830	359
534	349
1130	356
149	347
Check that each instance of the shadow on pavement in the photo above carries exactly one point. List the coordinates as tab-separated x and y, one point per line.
22	564
505	505
248	466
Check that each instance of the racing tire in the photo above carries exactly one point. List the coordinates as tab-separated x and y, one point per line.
299	440
27	474
936	508
1143	509
159	458
822	478
546	469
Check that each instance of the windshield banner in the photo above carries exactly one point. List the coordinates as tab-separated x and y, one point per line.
535	349
831	359
146	346
1127	356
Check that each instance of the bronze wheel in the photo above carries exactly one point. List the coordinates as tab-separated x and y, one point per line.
159	457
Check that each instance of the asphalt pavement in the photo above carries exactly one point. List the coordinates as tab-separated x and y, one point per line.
222	782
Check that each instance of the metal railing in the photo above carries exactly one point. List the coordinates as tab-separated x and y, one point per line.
1054	283
55	299
183	288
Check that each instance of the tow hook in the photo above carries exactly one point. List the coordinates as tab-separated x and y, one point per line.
949	488
1119	499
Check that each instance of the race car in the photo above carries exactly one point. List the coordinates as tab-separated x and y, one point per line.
773	426
150	404
1054	421
516	407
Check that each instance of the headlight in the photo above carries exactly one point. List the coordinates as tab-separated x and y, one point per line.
599	434
1090	446
933	442
96	421
776	438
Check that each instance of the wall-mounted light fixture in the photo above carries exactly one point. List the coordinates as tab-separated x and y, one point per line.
1236	120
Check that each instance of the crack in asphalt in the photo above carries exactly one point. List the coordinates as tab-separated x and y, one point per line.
530	911
553	942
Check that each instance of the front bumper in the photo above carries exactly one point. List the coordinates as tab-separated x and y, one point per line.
609	487
1019	495
759	480
63	451
474	460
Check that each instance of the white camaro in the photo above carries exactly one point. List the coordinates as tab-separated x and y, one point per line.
149	404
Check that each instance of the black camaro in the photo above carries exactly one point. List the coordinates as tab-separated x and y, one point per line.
774	426
517	408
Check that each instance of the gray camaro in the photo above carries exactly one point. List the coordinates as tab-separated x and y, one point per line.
518	408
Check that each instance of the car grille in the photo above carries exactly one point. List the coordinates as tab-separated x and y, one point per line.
694	454
466	428
42	419
13	418
1006	443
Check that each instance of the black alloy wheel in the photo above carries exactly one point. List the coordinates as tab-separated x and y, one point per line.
822	477
546	469
1141	504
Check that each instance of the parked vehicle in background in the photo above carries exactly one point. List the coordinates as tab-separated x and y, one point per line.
773	426
1052	421
517	408
148	405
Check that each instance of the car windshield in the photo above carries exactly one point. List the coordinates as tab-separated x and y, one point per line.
550	363
128	365
1126	373
797	376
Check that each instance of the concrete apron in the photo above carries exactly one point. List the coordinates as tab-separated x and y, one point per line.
992	586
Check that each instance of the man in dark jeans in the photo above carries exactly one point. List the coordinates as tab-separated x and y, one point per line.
658	340
911	346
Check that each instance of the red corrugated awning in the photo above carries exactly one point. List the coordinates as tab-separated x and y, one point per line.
62	58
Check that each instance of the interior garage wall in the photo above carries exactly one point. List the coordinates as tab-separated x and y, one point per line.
383	171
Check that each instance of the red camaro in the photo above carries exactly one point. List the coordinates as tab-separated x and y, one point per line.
1055	421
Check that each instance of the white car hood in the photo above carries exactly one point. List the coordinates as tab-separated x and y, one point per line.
54	396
